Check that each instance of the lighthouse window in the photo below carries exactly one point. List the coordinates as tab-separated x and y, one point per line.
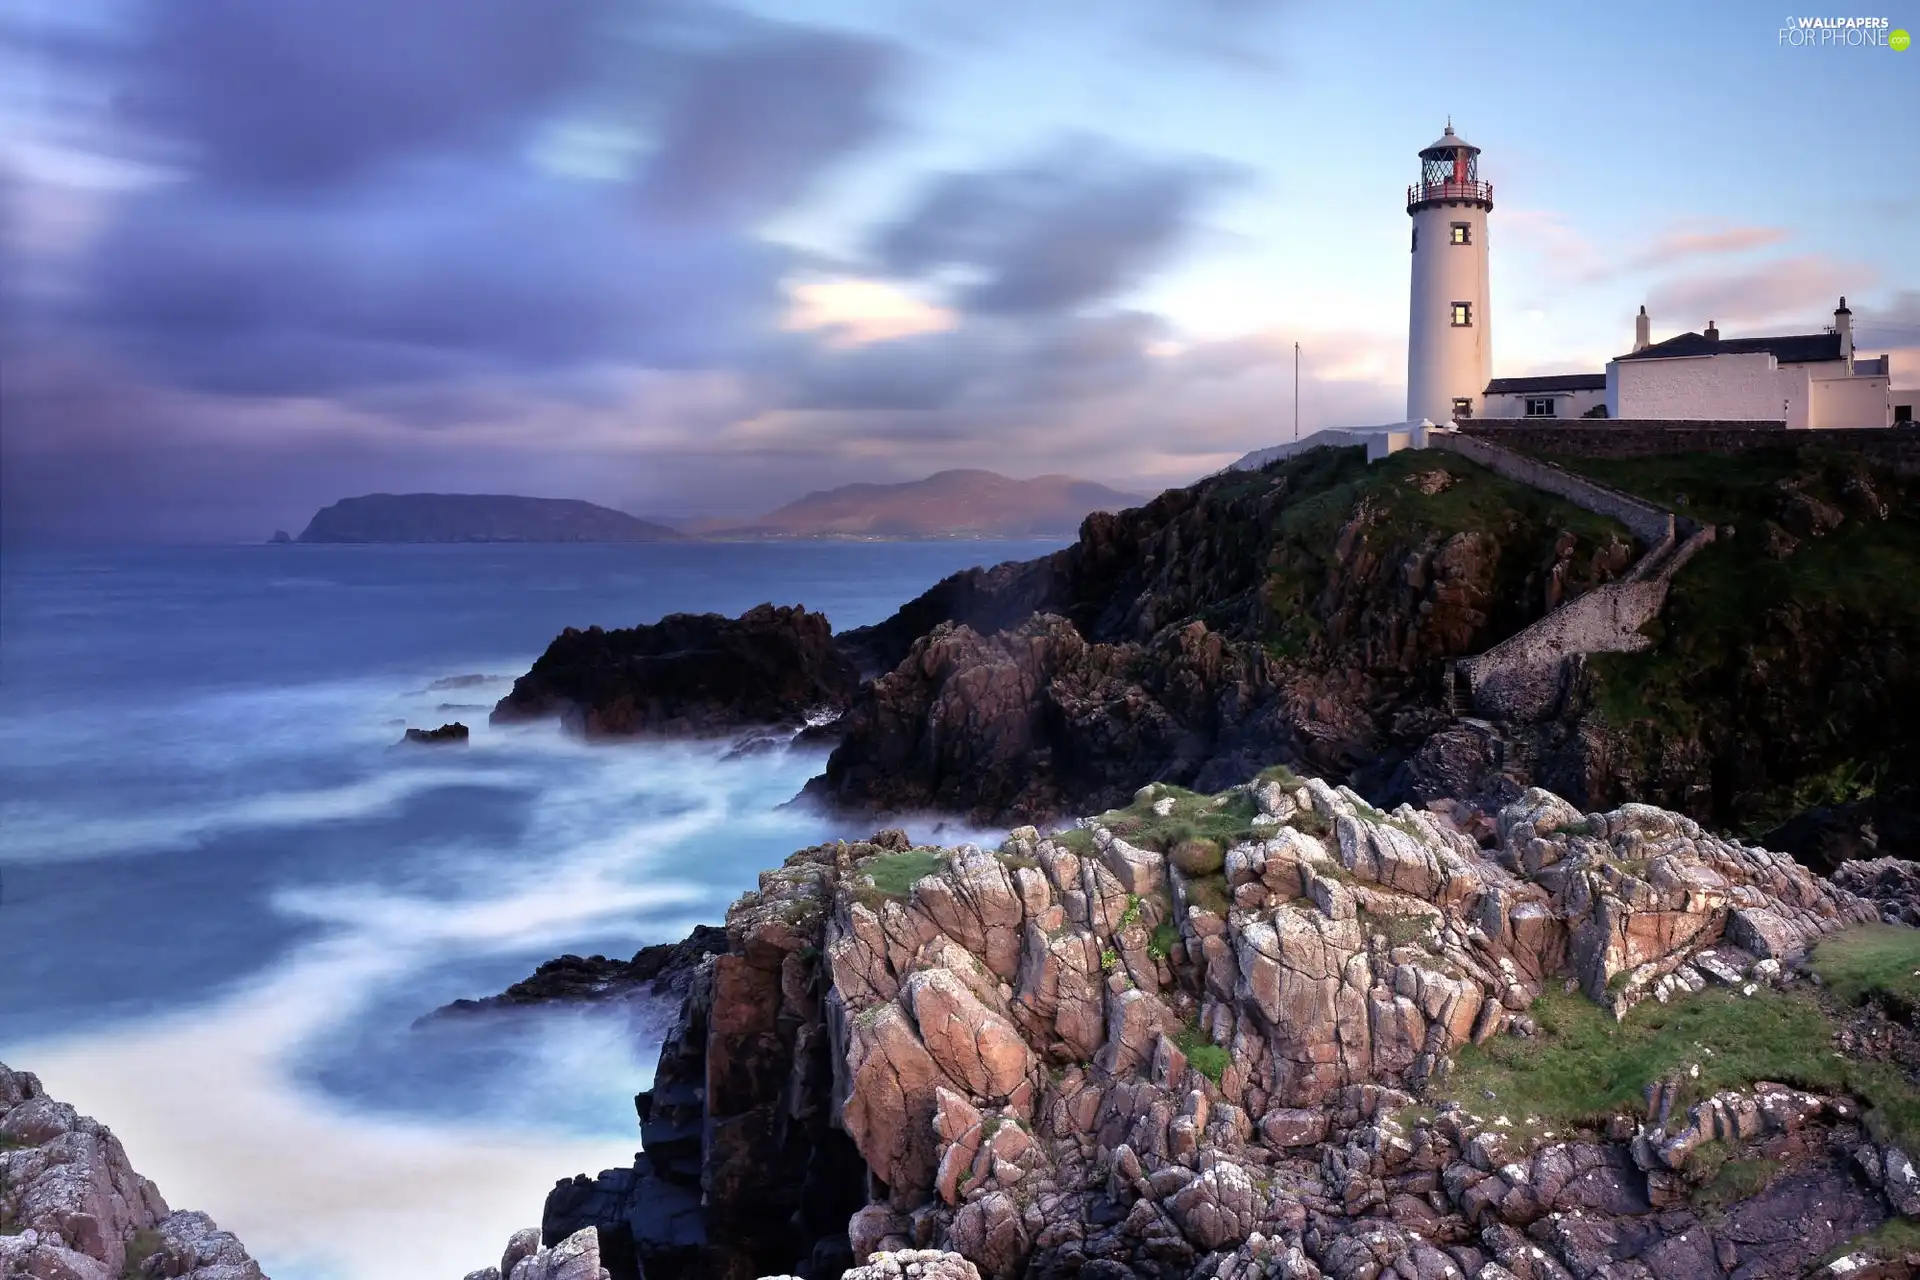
1462	315
1462	233
1462	407
1416	239
1540	407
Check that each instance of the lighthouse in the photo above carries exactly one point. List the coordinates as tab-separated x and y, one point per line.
1449	338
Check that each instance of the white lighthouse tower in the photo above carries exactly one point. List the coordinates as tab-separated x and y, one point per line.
1449	338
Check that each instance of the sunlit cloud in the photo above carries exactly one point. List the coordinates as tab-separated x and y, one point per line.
852	312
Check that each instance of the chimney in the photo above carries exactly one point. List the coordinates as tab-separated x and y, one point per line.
1713	331
1641	337
1843	325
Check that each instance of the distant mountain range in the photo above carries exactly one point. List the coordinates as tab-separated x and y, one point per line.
476	517
951	504
978	504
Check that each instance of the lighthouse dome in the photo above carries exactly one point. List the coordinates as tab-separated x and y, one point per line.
1448	143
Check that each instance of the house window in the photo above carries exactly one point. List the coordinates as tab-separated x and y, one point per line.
1416	239
1903	414
1462	233
1462	407
1540	407
1462	315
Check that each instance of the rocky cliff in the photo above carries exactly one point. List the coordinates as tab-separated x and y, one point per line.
1301	613
1276	1032
1307	612
688	674
72	1208
1764	696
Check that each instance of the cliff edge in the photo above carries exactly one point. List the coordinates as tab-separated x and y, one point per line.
1276	1032
72	1208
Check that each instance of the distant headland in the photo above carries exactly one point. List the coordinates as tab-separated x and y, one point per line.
950	504
959	503
476	517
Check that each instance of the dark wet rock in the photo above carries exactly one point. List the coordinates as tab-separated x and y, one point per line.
1194	640
662	971
688	674
446	735
1892	884
1827	837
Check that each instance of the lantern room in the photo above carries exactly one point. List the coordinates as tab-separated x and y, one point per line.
1450	174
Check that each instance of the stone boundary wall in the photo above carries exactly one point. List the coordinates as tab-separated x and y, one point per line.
1651	524
1897	448
1524	677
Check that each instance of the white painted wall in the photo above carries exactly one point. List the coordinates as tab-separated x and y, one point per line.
1852	402
1443	361
1566	404
1709	388
1748	386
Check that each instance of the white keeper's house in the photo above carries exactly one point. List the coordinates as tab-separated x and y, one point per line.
1806	380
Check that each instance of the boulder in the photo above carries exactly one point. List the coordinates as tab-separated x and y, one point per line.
688	674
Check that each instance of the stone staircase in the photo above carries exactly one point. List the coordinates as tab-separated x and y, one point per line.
1525	677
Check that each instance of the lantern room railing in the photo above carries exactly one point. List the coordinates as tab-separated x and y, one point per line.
1424	192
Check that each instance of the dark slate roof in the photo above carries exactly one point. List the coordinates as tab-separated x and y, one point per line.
1792	348
1548	382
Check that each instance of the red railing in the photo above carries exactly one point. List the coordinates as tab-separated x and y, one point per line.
1422	192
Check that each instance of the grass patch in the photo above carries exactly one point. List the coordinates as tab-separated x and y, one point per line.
144	1244
1814	630
1583	1067
1195	817
1161	945
1872	961
1077	841
1889	1240
1203	1055
1724	1180
1338	490
1310	822
1280	773
893	875
1400	931
1209	893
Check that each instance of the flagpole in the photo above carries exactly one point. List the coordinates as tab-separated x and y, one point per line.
1296	393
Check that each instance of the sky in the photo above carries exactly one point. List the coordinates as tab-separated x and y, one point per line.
698	259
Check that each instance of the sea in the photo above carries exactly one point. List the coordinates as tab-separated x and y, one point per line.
227	898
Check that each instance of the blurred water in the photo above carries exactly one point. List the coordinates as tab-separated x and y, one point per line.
226	898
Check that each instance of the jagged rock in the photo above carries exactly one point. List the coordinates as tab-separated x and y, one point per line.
991	1233
915	1264
688	674
454	734
71	1204
1025	1083
662	971
1218	1208
1902	1182
575	1258
974	1046
1891	884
